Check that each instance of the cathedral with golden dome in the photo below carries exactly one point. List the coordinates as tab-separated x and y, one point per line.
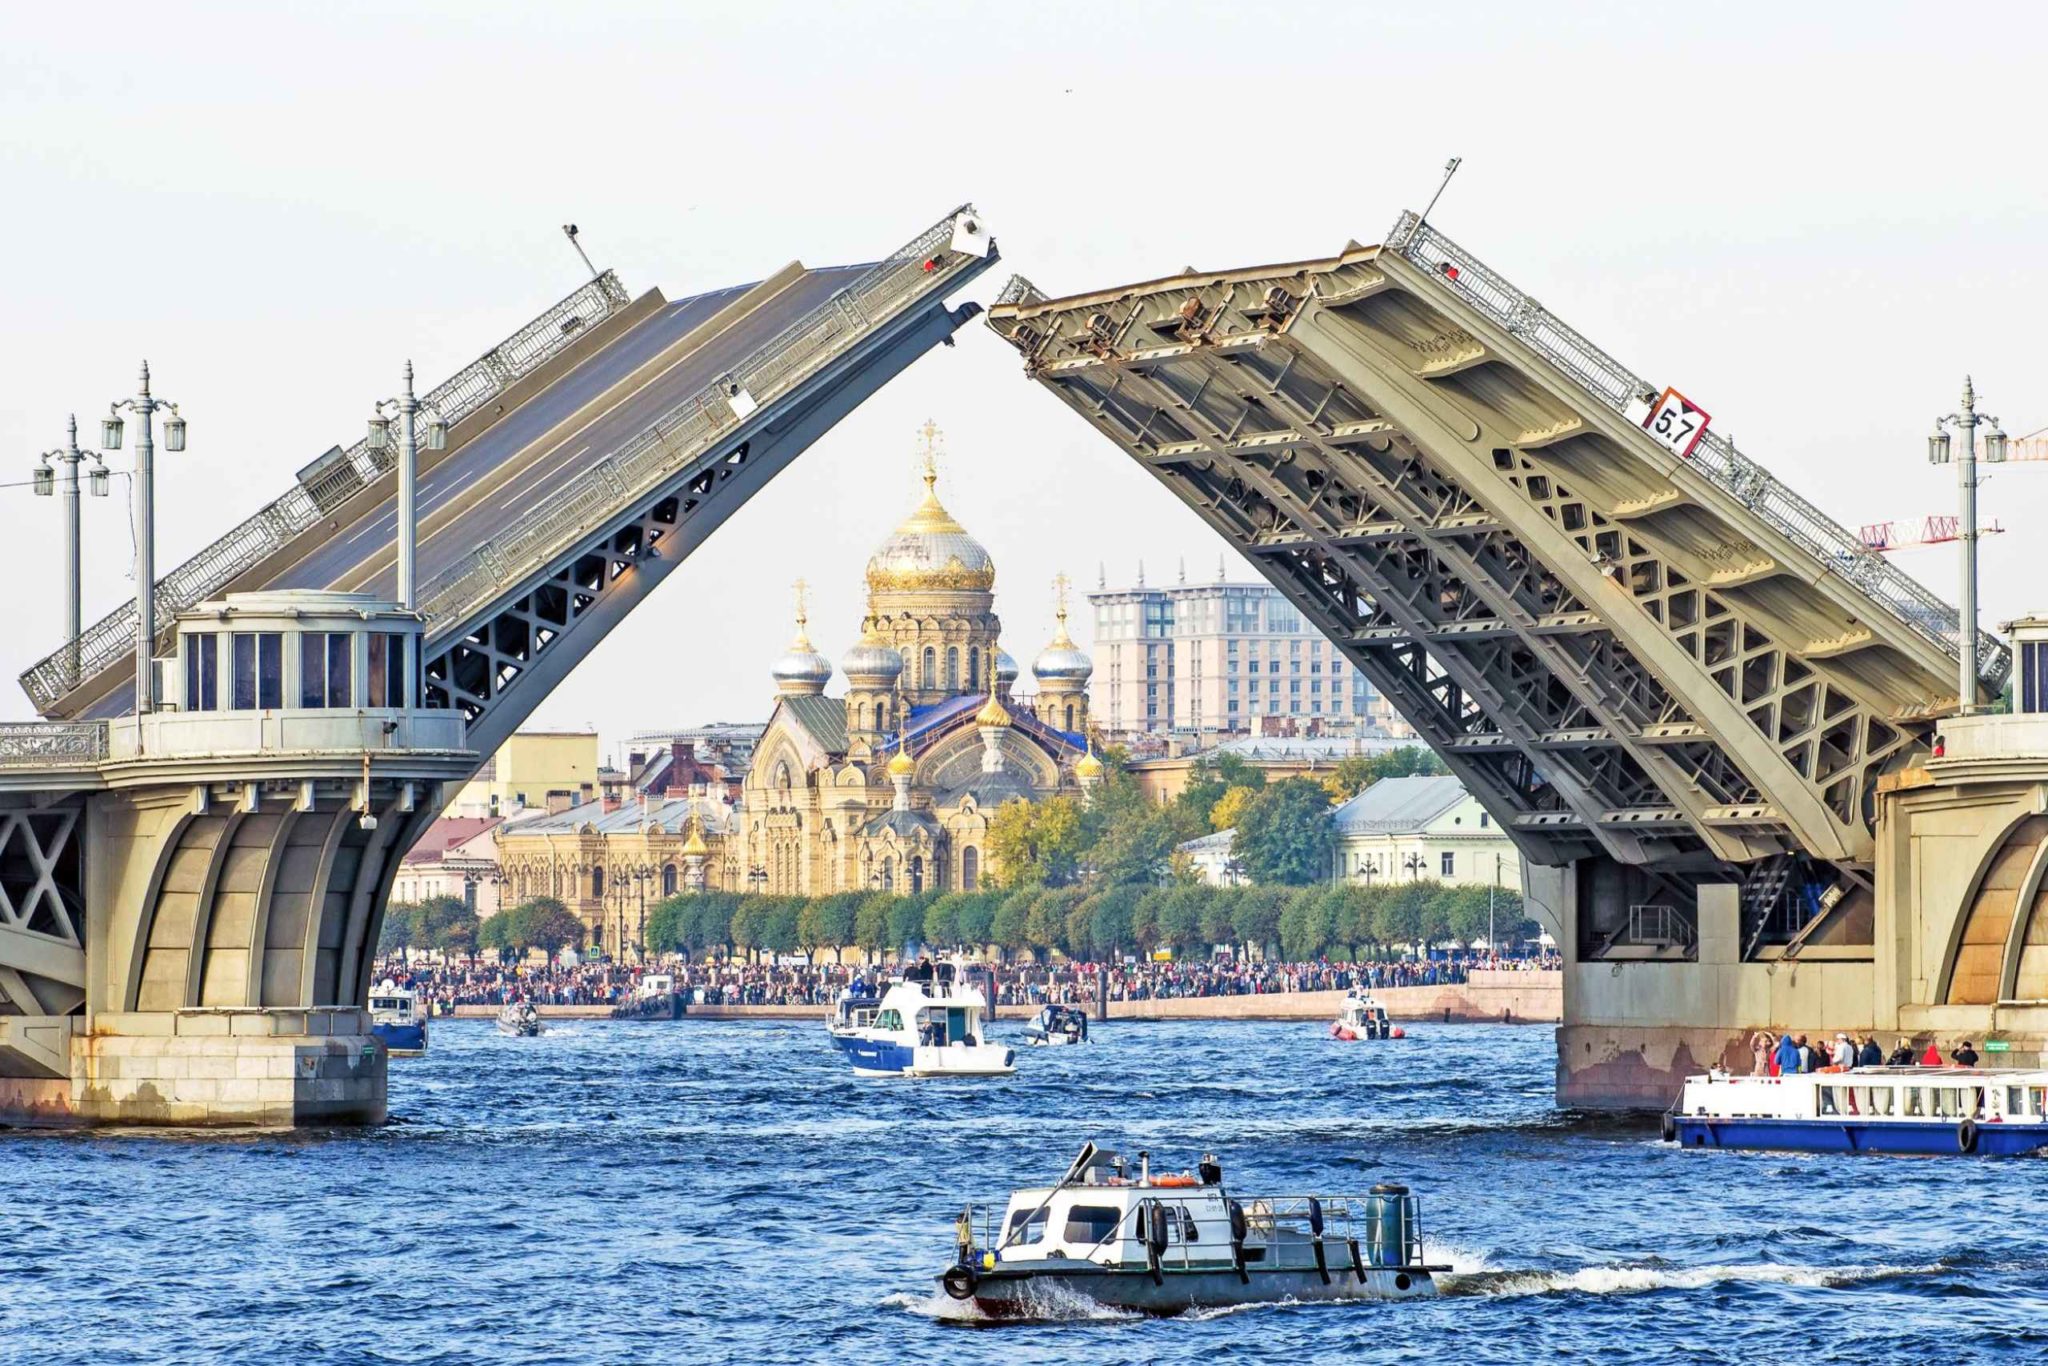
891	784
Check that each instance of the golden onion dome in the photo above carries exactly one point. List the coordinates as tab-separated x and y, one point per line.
901	765
694	846
992	713
1088	766
930	552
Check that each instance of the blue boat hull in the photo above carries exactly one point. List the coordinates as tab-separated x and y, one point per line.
871	1055
401	1038
1933	1138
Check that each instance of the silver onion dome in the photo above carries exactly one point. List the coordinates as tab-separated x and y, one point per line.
872	661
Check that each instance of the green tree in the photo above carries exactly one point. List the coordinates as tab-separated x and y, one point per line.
551	927
1284	835
1109	919
709	927
749	923
446	923
1229	808
1129	840
1305	925
1357	772
942	920
1037	844
977	916
1255	915
906	920
1012	915
871	923
778	924
1219	915
396	934
1179	916
669	924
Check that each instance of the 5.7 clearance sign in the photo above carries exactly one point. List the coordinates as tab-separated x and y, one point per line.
1677	423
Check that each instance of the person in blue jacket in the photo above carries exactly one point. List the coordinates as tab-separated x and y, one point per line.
1787	1056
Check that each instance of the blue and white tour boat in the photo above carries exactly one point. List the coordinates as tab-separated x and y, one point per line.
929	1024
1129	1238
398	1018
1996	1112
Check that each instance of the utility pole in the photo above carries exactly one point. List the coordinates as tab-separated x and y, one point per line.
144	406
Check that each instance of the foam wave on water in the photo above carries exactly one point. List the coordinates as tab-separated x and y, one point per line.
1044	1303
1641	1277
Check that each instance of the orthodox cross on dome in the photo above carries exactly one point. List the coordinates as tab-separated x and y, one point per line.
803	593
928	457
1060	586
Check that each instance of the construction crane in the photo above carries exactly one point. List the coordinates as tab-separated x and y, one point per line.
1909	532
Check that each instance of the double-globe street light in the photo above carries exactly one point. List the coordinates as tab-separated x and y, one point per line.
1966	422
59	469
145	406
406	408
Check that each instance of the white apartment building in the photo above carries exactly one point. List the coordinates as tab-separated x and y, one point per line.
1215	657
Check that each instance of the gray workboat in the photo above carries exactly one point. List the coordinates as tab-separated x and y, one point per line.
1163	1243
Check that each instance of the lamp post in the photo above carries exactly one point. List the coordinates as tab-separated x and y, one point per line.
407	407
144	405
1415	863
47	481
1966	422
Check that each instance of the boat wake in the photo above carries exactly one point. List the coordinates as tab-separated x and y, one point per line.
1652	1274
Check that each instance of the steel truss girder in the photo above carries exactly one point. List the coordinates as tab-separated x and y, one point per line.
42	911
1419	508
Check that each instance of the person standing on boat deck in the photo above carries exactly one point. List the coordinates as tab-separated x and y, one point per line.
1760	1053
1902	1056
1932	1057
1870	1055
1845	1052
1966	1056
1788	1056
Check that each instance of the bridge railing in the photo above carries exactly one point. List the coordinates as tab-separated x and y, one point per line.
547	530
322	485
52	744
1715	456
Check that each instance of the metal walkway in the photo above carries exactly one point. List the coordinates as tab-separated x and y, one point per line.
608	435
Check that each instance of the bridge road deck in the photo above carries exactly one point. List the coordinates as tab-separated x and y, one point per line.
543	443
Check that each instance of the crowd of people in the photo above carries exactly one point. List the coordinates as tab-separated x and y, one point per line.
447	985
1786	1054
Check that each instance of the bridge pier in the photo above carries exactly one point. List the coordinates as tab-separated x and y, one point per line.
189	922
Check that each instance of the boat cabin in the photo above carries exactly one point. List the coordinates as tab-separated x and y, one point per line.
1948	1094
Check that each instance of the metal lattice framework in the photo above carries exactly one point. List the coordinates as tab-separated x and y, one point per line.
1677	666
42	919
636	511
44	744
322	485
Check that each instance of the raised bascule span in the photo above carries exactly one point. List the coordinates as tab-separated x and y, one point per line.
1679	686
188	899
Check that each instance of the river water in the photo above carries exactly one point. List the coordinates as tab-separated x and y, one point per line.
727	1192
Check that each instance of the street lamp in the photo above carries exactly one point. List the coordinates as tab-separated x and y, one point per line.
1966	422
46	483
1415	863
407	408
144	406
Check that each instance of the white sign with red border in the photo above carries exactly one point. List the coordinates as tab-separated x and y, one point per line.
1676	423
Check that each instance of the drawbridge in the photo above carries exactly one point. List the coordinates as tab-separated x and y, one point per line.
588	454
1660	668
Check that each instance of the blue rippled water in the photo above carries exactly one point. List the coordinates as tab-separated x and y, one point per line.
702	1192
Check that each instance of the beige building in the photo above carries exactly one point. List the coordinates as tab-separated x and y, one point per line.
613	864
891	785
548	770
1219	658
1421	829
458	857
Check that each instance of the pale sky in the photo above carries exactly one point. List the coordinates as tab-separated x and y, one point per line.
1812	219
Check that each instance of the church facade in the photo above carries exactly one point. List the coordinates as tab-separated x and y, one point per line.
890	785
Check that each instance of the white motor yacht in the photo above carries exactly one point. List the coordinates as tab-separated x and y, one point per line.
929	1024
1166	1243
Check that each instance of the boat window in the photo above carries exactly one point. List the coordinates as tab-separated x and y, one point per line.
2038	1100
1944	1102
2015	1100
1882	1100
1088	1225
1026	1227
1189	1233
889	1019
1830	1102
1915	1100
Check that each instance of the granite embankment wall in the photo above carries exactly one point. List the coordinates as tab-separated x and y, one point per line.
1488	997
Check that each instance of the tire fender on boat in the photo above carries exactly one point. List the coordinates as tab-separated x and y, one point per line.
960	1281
1667	1127
1966	1136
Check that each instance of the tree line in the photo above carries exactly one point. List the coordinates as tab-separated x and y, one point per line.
1118	837
1296	923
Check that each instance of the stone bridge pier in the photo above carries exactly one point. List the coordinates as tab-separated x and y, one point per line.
190	900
